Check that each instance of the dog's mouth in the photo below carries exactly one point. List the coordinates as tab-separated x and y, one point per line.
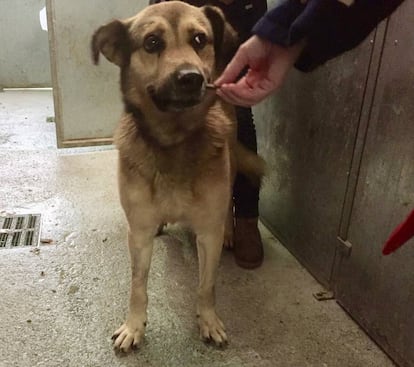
168	102
185	89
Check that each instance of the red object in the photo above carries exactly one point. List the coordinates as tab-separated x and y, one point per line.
400	235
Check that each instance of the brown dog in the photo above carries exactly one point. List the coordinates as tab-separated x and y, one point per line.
176	144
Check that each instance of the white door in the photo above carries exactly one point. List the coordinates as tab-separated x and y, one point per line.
87	97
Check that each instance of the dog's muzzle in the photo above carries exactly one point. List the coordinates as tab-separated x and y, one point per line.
189	81
185	88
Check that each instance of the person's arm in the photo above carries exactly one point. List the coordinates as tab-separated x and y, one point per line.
304	34
268	65
329	26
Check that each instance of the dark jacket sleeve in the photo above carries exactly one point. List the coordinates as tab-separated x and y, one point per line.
329	27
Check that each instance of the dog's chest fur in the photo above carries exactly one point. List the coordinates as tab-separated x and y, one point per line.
176	178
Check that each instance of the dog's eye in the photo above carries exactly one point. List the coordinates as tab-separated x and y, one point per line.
153	43
199	41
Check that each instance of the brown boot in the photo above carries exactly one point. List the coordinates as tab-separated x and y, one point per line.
248	247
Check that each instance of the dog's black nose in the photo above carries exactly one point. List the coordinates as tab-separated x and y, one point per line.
189	80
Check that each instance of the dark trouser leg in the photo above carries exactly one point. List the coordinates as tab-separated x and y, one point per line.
246	196
248	248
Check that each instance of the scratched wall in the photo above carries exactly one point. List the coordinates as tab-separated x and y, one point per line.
306	133
339	147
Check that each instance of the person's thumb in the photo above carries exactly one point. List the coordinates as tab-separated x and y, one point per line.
233	69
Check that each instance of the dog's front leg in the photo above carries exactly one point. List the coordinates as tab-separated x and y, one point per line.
131	333
209	245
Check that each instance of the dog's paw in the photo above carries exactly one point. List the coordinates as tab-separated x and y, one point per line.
212	328
127	338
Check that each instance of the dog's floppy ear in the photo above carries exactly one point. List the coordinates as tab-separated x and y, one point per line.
112	40
226	40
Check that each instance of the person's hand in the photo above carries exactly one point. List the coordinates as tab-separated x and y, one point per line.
268	65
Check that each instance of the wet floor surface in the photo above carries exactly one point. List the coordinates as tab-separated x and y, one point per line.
60	305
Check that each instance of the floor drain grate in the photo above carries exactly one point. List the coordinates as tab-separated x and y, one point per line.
19	230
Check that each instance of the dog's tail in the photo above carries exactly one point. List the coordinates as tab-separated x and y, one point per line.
250	164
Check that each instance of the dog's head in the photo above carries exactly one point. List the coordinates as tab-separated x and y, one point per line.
167	53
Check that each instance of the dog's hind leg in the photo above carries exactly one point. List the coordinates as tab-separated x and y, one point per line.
209	246
131	333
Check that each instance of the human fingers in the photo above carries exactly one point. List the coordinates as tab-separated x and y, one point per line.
231	98
242	94
234	68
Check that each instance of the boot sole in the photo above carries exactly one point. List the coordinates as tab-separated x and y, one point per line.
247	264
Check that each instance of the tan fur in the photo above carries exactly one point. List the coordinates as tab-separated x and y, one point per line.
175	164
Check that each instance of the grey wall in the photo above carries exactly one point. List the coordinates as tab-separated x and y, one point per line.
339	145
378	290
24	51
306	133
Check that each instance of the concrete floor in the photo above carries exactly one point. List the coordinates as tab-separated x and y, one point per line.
59	307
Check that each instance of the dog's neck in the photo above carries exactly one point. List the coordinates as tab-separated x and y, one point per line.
133	110
166	130
144	152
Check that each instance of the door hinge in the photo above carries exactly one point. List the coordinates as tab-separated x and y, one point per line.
345	247
324	295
